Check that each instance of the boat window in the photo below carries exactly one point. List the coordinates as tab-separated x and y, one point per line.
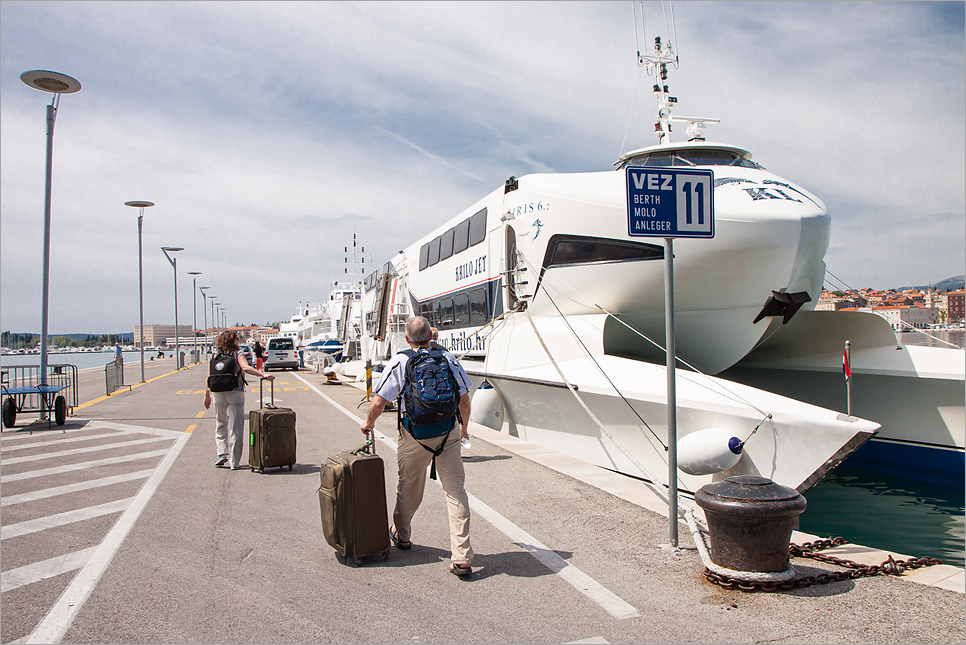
434	252
446	314
478	227
570	249
462	303
461	236
478	306
446	245
692	157
424	256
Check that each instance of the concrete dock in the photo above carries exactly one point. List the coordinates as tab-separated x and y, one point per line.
120	529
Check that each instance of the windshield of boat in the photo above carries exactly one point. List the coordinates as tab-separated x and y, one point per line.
691	157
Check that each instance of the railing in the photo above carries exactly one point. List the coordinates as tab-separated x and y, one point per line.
29	375
114	375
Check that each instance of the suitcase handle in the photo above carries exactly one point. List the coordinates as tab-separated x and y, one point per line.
369	446
261	394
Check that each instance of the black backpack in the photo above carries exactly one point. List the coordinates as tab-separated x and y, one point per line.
223	373
431	396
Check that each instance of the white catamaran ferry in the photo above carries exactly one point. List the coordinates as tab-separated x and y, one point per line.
548	297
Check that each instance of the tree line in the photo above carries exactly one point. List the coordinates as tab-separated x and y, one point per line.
17	341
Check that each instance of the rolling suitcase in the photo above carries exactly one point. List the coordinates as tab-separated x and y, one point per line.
352	500
271	436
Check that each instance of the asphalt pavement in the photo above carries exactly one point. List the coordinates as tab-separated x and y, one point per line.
156	545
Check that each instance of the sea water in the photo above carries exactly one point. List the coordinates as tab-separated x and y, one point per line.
903	516
890	513
83	360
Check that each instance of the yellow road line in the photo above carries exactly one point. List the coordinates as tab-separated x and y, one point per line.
104	398
191	428
200	414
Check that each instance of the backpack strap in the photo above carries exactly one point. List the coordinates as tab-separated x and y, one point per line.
436	453
241	374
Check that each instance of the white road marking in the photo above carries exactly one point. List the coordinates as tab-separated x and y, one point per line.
81	451
39	438
63	519
81	466
609	601
73	488
55	624
38	571
57	441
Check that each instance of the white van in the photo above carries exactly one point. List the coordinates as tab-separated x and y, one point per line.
281	354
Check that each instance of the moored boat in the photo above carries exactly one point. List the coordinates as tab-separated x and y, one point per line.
546	290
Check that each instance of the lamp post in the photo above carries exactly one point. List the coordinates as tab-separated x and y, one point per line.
140	205
204	309
174	264
194	313
214	335
55	84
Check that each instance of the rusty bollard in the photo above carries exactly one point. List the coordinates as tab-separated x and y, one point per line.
750	520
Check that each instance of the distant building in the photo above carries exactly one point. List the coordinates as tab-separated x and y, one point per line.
906	316
157	335
952	303
264	334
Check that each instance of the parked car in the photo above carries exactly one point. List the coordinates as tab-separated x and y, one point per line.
281	354
249	353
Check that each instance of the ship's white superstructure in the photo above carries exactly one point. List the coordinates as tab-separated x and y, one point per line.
547	295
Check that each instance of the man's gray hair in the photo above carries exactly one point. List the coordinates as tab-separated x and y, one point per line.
418	330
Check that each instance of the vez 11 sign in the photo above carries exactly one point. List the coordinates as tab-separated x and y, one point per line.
666	202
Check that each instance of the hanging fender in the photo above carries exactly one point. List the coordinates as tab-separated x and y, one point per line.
709	451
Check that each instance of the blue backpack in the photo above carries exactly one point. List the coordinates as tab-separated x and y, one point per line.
431	396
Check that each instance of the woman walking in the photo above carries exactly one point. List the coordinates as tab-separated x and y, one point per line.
226	386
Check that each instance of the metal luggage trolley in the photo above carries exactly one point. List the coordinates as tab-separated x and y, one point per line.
22	392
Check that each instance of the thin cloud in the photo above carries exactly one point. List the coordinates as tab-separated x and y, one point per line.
396	137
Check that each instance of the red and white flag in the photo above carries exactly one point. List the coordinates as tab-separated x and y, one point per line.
846	368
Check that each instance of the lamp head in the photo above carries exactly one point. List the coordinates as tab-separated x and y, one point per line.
51	82
139	204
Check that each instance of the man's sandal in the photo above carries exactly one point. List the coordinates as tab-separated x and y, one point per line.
461	569
399	543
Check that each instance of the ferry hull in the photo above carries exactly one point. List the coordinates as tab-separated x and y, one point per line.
917	394
795	446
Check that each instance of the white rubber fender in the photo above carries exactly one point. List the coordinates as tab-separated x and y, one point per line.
708	451
487	407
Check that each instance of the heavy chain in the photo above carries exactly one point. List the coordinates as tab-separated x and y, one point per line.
808	550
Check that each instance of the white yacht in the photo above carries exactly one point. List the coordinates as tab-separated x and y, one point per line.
551	299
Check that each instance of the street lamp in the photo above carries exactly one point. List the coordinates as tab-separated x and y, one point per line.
204	310
214	335
141	206
194	313
55	84
174	264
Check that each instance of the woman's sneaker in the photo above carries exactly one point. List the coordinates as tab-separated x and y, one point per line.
222	460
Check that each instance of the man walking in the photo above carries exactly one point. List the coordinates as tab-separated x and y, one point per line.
414	456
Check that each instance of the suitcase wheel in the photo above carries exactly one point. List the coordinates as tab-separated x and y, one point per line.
290	466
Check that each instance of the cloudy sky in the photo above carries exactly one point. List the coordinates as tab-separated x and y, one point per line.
267	133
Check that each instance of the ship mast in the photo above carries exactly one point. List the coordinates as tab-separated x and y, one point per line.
656	64
357	265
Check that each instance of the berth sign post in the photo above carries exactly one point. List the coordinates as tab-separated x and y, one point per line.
670	203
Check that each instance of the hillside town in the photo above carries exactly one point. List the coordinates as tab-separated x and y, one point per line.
907	309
